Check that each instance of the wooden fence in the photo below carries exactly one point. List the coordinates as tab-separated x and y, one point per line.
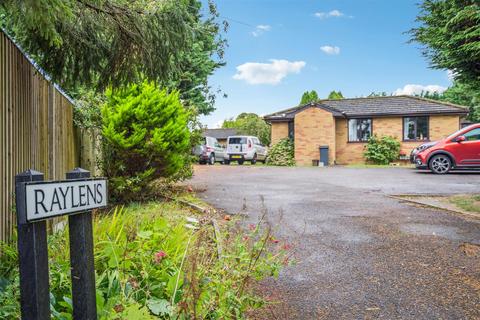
36	127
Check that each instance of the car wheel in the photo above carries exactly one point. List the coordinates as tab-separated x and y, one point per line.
226	162
440	164
202	162
254	160
211	159
240	162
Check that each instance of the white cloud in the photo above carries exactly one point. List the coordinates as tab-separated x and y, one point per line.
413	89
330	50
267	73
332	14
261	29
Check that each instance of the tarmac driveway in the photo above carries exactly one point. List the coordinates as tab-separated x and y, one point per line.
360	254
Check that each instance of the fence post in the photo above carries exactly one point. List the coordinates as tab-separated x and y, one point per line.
81	259
32	255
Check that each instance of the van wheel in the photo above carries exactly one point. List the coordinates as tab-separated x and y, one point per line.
440	164
211	159
254	160
226	162
240	162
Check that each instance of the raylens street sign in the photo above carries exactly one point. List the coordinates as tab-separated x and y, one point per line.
49	199
36	201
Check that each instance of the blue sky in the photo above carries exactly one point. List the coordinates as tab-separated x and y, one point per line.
278	49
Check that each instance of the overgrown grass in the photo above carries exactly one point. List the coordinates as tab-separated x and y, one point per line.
159	260
470	203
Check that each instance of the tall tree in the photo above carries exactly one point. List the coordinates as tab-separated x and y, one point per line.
460	94
198	63
100	43
309	96
334	95
449	31
250	124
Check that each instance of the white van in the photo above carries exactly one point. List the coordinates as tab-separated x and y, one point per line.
245	148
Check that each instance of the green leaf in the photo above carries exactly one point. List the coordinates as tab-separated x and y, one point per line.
159	307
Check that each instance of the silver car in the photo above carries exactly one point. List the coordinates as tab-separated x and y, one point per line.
210	151
245	148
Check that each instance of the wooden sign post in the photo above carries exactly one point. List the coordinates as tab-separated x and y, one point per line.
37	201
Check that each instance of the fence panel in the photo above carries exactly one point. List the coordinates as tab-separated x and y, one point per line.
36	128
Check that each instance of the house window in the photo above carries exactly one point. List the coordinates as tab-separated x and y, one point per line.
291	130
415	128
359	130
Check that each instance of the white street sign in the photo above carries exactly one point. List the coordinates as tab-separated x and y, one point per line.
49	199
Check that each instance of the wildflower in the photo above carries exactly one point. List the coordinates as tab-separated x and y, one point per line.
189	189
286	246
245	238
158	257
252	226
274	240
285	261
227	217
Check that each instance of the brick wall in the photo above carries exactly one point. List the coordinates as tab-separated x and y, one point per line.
443	126
314	127
279	131
348	153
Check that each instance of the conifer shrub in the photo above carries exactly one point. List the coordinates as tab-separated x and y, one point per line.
282	153
146	137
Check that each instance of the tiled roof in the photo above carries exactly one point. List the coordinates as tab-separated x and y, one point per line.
219	133
375	106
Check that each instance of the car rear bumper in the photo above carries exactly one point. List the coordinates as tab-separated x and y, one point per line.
203	157
236	157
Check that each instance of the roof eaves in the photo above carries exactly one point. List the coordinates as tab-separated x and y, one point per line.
405	114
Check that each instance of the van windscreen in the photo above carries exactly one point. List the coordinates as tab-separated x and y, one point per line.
237	141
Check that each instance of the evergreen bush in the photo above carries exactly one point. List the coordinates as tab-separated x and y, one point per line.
146	136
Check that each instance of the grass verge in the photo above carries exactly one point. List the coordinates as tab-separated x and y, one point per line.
159	260
470	203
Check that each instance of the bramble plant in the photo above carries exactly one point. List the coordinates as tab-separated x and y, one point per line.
146	136
282	153
382	150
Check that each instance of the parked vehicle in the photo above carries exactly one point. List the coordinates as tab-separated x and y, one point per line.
245	148
460	150
210	151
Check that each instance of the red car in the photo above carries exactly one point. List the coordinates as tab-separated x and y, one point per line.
460	150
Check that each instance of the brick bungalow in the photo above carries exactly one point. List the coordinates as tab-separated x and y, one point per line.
345	125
